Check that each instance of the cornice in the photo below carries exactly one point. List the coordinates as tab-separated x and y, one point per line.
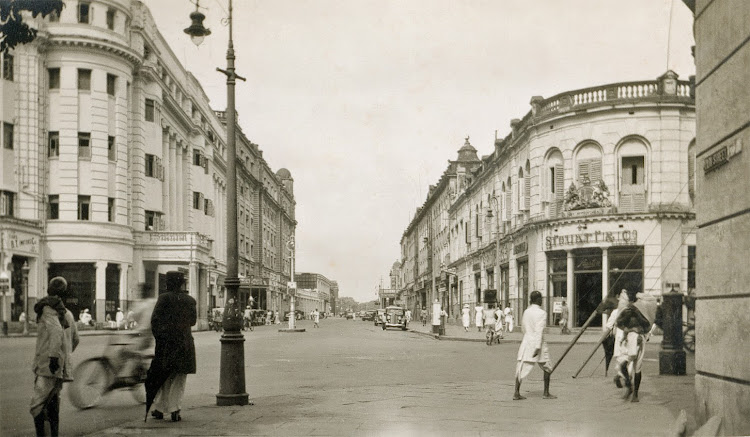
109	47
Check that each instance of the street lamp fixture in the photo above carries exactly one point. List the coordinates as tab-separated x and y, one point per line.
232	361
25	272
196	30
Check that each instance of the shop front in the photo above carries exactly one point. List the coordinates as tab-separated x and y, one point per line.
19	271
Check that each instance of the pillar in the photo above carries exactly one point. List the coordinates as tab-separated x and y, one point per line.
194	283
171	176
180	197
101	289
571	291
123	287
605	282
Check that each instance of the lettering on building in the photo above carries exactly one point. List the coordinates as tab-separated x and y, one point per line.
614	238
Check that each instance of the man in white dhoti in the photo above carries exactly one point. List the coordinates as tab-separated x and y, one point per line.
533	349
636	321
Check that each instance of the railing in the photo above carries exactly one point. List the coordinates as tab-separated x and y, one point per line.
171	238
612	94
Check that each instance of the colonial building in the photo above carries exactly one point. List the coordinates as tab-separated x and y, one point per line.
315	291
113	170
591	192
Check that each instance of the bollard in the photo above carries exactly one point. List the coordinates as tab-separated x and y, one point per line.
5	328
442	325
672	355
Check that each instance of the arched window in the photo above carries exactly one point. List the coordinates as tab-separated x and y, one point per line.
632	155
554	182
527	187
520	190
508	199
589	165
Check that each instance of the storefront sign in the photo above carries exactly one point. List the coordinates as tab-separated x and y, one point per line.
20	241
616	238
721	156
557	307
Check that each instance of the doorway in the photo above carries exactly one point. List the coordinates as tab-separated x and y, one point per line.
588	286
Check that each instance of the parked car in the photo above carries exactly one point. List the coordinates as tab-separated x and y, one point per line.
349	314
379	314
299	315
395	317
369	315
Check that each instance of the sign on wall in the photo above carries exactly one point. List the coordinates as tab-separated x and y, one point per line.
614	238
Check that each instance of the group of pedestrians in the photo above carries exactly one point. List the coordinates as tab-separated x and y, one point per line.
495	318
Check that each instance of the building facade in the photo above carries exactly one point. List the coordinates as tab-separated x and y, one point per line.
722	55
114	169
590	193
315	291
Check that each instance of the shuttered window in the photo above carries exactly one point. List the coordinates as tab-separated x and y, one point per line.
632	184
591	169
557	188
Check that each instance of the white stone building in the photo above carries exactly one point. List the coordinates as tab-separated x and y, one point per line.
113	169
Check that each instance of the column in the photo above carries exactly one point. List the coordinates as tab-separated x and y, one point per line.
166	199
194	283
171	214
605	282
101	289
123	287
571	291
513	285
179	198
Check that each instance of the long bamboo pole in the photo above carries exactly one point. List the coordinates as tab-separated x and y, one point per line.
601	340
575	339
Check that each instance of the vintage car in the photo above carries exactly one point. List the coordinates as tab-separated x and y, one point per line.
394	317
369	315
379	314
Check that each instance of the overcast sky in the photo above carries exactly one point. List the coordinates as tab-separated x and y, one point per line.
365	101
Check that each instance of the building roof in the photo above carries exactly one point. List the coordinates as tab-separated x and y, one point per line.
467	153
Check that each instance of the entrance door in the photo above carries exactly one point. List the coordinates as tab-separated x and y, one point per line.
588	286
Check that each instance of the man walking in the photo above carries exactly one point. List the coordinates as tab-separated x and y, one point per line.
316	318
174	354
533	349
564	318
478	316
423	316
53	346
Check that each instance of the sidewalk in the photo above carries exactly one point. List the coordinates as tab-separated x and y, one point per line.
551	334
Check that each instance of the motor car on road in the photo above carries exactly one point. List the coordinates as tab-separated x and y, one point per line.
369	315
395	317
379	314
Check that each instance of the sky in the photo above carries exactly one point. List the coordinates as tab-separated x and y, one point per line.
365	101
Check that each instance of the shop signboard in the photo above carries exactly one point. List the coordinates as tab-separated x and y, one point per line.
594	238
557	307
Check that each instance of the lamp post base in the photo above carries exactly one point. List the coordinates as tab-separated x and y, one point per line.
232	371
671	362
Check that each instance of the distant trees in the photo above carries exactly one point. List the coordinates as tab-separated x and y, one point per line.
13	30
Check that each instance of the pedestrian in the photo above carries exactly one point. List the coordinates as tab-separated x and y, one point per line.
108	320
246	316
509	317
408	316
478	316
533	349
611	343
316	318
85	317
277	319
52	355
466	317
130	320
564	318
174	354
269	317
422	315
637	321
499	322
22	317
119	318
489	318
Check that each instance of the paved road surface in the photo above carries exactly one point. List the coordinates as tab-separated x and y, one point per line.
350	378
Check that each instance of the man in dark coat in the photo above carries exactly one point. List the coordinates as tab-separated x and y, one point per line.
174	354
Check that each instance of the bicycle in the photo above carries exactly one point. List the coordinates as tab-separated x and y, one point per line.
122	366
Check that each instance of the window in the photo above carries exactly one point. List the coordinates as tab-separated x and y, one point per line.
8	66
111	19
691	268
150	166
8	136
198	200
7	203
84	145
84	80
53	210
54	144
146	52
149	114
54	78
197	157
154	221
111	209
208	207
84	207
83	12
111	148
111	83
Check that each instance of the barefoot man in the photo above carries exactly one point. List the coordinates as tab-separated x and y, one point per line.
533	349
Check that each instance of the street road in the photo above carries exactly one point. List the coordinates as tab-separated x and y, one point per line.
351	375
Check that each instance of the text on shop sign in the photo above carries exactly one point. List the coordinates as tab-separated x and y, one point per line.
617	238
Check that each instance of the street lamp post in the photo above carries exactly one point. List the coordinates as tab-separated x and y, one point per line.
292	286
25	272
232	362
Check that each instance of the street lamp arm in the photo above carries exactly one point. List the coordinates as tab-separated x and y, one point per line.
231	75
